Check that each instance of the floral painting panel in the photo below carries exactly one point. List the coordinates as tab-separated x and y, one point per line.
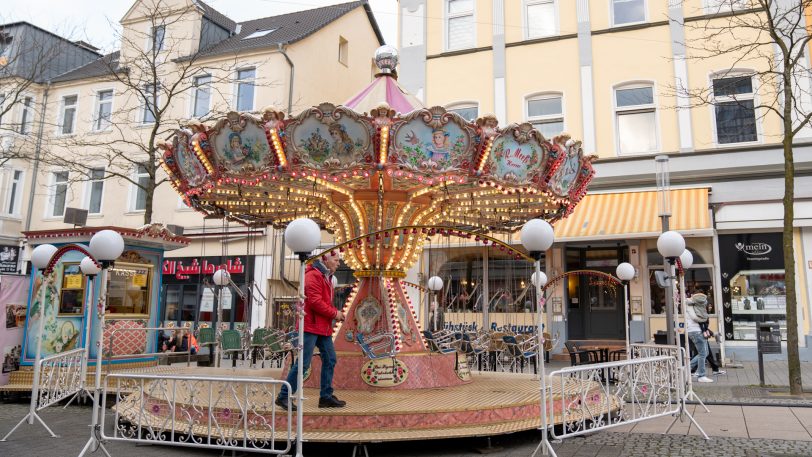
242	150
319	144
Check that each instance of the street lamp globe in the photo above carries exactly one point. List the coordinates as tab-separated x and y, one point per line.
537	235
106	245
89	266
686	259
221	277
539	279
435	283
302	236
625	271
670	244
42	255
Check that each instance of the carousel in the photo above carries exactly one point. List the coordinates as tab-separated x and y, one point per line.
384	174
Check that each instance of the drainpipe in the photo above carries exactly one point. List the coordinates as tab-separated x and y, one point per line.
35	173
281	49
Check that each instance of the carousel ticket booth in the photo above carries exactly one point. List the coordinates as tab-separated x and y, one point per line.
133	290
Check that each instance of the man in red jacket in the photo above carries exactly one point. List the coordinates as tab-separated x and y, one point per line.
318	330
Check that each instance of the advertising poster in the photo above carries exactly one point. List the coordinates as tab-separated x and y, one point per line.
13	296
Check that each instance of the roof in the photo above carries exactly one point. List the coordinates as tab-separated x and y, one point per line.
99	67
216	16
80	43
288	28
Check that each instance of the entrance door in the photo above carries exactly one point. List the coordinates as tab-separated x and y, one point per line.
595	305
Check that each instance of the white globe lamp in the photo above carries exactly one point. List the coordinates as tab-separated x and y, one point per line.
625	271
435	283
302	236
106	245
537	235
671	244
686	259
539	279
221	277
89	266
42	255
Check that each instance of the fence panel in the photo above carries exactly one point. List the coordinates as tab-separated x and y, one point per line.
210	412
60	377
600	396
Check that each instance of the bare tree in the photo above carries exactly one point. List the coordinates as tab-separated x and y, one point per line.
770	38
152	83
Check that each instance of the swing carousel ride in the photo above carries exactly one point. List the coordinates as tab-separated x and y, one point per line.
383	174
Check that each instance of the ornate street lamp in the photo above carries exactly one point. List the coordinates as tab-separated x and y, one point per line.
670	244
302	236
220	278
625	272
537	237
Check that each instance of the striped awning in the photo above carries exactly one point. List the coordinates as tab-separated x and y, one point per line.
634	214
384	88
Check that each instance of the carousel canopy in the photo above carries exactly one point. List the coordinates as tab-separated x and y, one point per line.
359	173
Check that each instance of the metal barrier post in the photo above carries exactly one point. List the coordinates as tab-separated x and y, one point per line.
32	410
86	353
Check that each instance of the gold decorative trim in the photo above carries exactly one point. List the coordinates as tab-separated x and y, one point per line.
380	273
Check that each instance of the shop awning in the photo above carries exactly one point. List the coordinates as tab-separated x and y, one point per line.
634	215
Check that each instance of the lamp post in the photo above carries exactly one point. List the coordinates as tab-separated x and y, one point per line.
220	278
90	268
539	280
625	272
435	285
670	244
663	178
40	258
537	237
302	236
106	246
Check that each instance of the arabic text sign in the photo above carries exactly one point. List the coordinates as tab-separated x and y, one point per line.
185	268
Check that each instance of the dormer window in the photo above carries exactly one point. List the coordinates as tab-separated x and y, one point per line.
258	33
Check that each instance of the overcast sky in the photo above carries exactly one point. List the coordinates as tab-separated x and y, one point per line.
96	21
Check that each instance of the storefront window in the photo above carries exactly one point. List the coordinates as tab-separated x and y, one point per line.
698	279
128	289
72	295
462	278
753	284
509	284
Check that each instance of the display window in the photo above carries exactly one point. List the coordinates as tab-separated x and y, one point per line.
72	293
128	290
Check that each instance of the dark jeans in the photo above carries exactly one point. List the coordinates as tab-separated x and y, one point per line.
328	363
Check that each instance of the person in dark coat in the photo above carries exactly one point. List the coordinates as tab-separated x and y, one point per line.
318	331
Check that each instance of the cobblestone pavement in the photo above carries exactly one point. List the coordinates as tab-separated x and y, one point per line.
70	423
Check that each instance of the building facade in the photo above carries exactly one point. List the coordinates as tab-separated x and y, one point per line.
613	73
99	115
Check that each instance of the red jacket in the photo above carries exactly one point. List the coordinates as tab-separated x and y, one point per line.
319	309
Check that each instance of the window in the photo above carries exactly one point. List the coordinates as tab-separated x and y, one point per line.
724	6
258	33
139	202
150	105
2	107
14	194
628	11
540	18
72	294
343	50
202	96
95	190
734	110
128	289
68	123
157	38
546	113
26	116
636	119
104	110
468	111
245	89
460	32
59	193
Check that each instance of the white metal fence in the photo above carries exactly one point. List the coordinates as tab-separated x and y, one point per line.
210	412
60	377
600	396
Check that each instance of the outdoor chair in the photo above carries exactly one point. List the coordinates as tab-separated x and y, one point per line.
258	344
438	346
206	336
580	356
231	343
515	354
277	347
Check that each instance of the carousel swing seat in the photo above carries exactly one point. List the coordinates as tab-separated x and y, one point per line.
439	344
378	346
514	354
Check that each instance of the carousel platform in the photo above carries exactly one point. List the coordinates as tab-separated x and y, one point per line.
492	404
22	379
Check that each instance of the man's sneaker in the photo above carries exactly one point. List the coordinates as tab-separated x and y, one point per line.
719	372
283	403
704	379
331	402
694	375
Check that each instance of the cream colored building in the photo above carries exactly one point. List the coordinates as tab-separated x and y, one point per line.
607	72
291	61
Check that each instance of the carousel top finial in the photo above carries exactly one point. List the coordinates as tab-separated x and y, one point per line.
386	58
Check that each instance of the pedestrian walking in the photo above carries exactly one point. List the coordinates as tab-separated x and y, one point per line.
696	325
